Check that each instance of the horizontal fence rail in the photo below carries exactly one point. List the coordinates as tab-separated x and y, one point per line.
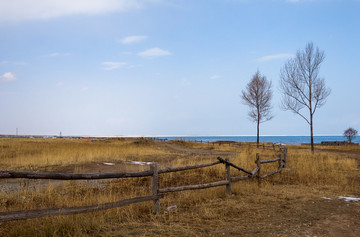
156	192
269	161
193	187
175	169
71	176
22	215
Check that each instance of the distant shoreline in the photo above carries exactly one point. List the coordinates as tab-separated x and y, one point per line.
291	140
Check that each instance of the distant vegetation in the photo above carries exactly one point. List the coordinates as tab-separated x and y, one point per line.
350	134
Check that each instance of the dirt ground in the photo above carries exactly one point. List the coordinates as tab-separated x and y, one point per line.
270	212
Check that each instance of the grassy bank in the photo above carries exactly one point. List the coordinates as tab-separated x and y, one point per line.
293	199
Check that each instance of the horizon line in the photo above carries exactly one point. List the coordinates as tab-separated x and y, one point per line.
134	136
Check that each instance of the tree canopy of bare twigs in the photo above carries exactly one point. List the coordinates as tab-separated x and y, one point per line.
350	134
301	85
257	96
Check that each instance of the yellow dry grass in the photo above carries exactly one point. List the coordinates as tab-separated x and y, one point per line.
33	154
200	212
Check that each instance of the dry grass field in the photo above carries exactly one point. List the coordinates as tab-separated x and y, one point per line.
301	201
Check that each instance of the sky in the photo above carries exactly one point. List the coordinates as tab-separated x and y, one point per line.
176	67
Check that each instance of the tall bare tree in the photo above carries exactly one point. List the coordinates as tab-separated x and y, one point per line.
302	86
257	96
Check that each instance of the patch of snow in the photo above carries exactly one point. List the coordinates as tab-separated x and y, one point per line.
349	199
327	198
140	163
109	163
171	207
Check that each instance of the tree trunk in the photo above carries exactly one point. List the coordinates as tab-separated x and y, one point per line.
311	114
311	133
257	133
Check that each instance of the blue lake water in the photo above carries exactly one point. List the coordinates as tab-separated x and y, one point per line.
274	139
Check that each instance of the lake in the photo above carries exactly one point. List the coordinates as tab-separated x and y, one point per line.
275	139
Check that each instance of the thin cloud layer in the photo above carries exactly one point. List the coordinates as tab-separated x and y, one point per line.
7	77
185	82
213	77
133	39
154	52
12	63
18	10
112	65
296	1
56	54
274	57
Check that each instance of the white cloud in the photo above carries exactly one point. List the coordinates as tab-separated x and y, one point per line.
112	65
59	84
133	39
185	82
17	10
295	1
7	77
13	63
154	52
275	57
84	89
213	77
56	54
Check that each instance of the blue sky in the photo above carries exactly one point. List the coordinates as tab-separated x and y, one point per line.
156	67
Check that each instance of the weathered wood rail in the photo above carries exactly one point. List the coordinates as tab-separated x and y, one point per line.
71	176
22	215
156	192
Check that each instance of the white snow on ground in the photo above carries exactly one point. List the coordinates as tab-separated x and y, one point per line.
171	207
140	163
132	162
349	199
327	198
109	163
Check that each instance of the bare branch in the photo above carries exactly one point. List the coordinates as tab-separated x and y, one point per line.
350	134
301	85
257	96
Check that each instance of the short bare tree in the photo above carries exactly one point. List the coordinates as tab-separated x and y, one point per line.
257	96
350	134
302	86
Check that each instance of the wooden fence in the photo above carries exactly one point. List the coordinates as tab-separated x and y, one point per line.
156	192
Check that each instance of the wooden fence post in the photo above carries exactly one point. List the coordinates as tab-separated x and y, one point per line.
155	187
280	163
257	161
284	156
228	177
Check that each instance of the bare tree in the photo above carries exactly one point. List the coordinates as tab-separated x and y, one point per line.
350	134
257	96
302	86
